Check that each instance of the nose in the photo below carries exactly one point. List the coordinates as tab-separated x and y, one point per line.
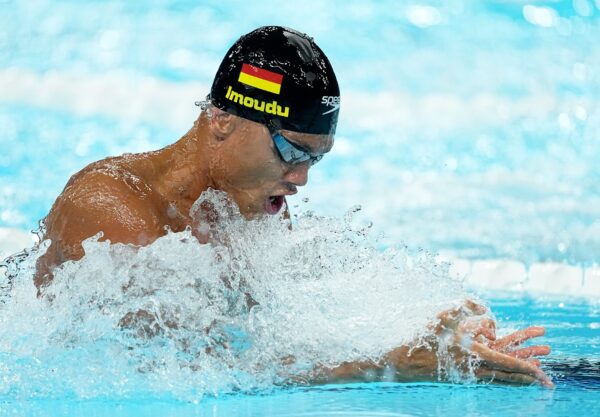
297	174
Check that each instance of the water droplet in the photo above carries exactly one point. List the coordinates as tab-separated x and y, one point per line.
564	121
580	113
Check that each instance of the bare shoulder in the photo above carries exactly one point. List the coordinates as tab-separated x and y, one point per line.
105	196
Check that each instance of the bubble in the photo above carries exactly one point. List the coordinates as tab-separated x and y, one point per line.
540	16
583	8
564	121
581	113
423	16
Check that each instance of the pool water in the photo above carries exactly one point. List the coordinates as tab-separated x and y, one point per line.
467	128
574	365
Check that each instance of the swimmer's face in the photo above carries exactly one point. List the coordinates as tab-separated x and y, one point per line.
253	173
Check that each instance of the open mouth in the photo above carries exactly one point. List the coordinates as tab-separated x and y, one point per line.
274	203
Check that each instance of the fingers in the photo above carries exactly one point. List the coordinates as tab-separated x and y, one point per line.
453	317
502	377
449	318
489	375
502	362
497	360
468	307
489	334
517	338
482	327
528	352
477	309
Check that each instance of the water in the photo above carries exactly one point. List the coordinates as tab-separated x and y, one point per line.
307	287
466	127
264	291
484	124
577	382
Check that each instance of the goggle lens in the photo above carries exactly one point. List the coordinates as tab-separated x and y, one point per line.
292	153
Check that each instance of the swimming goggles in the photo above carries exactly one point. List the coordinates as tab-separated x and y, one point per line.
290	152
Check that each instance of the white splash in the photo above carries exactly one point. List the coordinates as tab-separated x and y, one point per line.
178	318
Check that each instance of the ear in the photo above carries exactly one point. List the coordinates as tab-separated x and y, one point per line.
221	123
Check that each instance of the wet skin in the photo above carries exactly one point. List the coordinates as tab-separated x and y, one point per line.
131	198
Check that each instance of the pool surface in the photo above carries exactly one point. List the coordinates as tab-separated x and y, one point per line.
572	331
468	132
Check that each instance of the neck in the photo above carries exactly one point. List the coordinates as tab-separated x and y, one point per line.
185	170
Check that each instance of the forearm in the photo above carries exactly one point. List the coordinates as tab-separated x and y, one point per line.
402	364
350	372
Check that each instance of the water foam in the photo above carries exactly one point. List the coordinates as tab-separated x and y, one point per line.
258	306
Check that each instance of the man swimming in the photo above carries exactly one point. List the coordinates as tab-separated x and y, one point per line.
271	114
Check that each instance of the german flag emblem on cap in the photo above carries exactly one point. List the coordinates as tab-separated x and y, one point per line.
260	78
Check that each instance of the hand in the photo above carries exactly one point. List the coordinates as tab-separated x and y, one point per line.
500	360
464	341
505	354
509	344
483	330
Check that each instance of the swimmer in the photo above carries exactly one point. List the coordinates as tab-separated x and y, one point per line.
271	114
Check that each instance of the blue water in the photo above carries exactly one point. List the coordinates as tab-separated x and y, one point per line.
572	332
484	124
467	127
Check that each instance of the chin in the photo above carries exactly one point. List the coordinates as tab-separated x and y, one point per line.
253	211
271	205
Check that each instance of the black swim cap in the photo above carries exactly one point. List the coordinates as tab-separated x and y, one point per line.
279	77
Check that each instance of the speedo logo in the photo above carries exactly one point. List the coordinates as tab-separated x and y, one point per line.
252	103
331	101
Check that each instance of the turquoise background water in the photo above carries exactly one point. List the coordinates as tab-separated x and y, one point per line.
573	333
467	127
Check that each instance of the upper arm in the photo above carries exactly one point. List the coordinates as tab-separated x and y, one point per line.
98	202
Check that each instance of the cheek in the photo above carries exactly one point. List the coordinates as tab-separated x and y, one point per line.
255	164
254	173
